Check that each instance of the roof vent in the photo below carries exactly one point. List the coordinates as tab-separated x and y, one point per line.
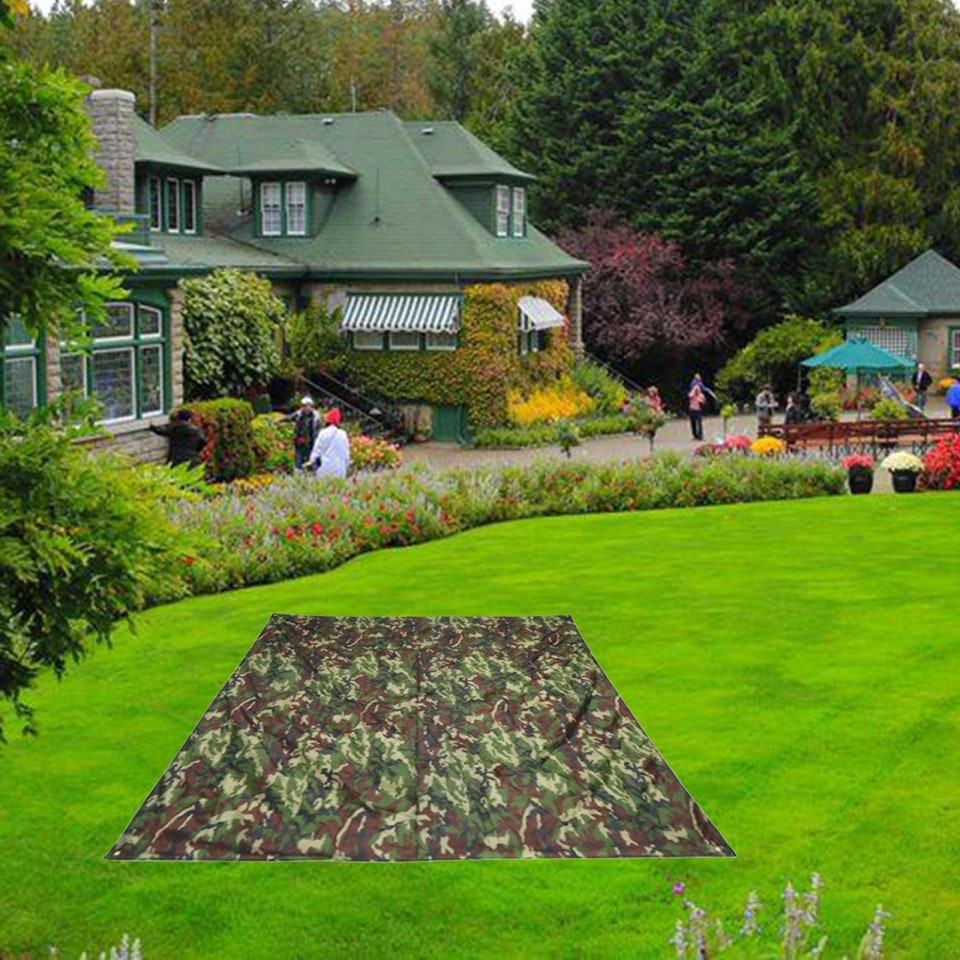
327	121
427	131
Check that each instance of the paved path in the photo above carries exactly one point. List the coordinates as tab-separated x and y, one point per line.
675	435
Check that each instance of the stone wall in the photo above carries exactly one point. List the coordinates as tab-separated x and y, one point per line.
133	439
175	298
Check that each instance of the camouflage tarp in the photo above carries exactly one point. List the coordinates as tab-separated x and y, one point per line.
408	738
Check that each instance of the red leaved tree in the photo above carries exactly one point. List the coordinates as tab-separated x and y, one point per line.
641	300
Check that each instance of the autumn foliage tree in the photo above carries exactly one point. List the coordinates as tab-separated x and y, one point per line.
643	308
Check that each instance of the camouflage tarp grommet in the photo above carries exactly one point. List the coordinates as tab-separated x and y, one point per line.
417	738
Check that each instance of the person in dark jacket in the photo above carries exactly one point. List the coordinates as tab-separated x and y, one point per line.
306	425
921	384
186	438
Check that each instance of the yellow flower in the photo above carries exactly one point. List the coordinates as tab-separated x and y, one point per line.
767	446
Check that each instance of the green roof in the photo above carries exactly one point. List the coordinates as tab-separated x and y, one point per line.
394	220
152	147
293	156
926	286
453	153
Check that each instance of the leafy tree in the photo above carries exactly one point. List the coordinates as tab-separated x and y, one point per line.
773	357
82	540
641	303
313	341
52	248
232	321
456	55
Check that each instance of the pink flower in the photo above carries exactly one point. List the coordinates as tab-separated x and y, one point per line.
317	529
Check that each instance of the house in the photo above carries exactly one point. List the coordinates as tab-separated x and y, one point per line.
415	234
915	313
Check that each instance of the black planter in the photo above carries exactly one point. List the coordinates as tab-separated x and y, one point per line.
860	480
904	481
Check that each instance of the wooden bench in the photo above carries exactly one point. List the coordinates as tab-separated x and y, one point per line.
876	437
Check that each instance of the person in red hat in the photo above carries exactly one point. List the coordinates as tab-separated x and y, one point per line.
331	450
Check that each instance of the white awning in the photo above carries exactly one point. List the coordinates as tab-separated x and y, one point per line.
538	314
415	313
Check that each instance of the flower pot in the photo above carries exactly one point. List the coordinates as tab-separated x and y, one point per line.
904	481
860	480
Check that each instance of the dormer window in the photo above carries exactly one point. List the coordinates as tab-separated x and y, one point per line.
284	209
173	204
297	208
271	211
519	211
503	210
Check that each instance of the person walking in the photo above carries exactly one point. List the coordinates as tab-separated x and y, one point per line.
306	426
696	401
331	451
186	439
766	404
921	381
792	413
953	399
653	400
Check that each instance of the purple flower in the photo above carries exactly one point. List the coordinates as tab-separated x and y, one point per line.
679	887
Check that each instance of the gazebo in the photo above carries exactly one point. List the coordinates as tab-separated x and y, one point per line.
915	313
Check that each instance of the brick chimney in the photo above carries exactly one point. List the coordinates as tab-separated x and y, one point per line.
112	113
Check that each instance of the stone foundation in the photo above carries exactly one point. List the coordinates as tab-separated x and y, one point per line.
133	439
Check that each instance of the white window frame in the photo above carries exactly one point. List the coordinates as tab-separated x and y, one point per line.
138	379
85	386
954	348
173	210
364	340
273	188
502	209
116	338
189	187
156	208
7	358
294	205
400	345
519	211
145	310
134	386
445	346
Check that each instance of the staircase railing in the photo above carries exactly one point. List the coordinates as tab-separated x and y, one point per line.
375	418
614	372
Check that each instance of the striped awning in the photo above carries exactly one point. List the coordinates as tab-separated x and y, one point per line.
416	313
537	314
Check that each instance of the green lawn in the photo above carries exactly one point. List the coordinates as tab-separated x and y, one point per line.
795	663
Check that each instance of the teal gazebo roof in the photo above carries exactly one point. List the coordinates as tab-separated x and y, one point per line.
858	354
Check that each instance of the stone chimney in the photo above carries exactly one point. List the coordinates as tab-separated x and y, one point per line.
112	113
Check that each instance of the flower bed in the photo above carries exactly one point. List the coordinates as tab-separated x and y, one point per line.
941	465
542	435
298	525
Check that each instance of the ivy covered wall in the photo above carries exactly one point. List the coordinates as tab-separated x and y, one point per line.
484	366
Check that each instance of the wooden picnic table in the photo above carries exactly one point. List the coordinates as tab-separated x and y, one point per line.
877	437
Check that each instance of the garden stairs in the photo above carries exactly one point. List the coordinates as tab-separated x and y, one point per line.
375	418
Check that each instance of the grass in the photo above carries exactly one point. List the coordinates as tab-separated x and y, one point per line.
796	664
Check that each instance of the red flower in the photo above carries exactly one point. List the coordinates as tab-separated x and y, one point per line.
385	529
317	529
411	516
368	521
189	561
291	533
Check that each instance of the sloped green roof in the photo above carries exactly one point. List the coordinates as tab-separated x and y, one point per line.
152	147
928	285
453	153
293	156
394	220
214	252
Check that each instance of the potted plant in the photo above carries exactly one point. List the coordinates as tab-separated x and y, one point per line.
904	469
859	467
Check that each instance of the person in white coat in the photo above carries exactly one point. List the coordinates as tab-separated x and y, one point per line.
331	449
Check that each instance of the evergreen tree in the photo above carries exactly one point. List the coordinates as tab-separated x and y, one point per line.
456	53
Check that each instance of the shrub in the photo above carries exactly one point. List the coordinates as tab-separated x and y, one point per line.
298	525
941	465
273	440
373	453
826	406
231	320
313	342
541	434
560	400
862	398
82	539
231	450
888	409
607	393
772	357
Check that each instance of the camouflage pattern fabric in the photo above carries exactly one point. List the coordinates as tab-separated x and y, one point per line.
409	738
